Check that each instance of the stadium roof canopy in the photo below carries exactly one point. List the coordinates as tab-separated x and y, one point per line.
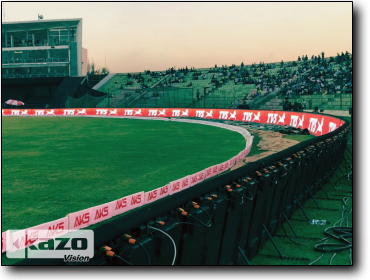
39	24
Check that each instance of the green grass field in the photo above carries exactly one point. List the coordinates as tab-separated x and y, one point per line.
255	150
55	166
299	138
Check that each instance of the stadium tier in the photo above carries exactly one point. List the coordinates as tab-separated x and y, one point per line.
318	82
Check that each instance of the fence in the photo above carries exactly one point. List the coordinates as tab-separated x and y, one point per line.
329	102
160	97
92	80
86	101
237	211
217	102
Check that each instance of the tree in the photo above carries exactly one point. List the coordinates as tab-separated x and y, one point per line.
92	69
105	71
88	67
299	58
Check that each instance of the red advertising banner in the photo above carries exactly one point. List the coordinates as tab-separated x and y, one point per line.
156	194
80	219
136	200
101	213
317	124
185	183
120	206
175	186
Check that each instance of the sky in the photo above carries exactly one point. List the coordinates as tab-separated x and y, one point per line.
134	37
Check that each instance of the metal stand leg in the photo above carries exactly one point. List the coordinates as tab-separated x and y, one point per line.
326	175
323	189
341	171
318	206
336	175
244	256
347	165
348	155
290	225
300	206
273	242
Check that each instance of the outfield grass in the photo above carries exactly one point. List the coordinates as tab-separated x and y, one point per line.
55	166
299	138
255	149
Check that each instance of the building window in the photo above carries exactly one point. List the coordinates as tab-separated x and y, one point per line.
58	37
72	34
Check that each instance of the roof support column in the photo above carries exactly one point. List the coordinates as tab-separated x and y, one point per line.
47	36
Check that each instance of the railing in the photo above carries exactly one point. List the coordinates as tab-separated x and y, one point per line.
41	43
34	75
35	60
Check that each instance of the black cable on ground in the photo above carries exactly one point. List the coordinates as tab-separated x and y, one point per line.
199	221
146	252
208	225
249	198
340	233
250	194
274	178
122	259
233	200
173	242
336	247
344	233
297	243
209	216
192	224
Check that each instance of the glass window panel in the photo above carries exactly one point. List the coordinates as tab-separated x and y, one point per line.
72	34
63	39
54	32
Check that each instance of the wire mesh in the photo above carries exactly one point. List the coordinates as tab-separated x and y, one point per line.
86	101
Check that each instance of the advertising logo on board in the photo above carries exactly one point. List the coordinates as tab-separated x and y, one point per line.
75	245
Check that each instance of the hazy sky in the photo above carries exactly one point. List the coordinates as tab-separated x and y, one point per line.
138	36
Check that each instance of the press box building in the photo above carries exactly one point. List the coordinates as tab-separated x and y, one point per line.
43	62
43	48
